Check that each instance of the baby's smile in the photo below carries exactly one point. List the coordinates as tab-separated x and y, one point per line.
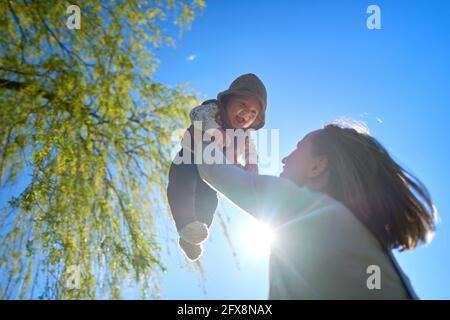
240	120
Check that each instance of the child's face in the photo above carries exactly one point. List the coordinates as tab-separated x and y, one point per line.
242	111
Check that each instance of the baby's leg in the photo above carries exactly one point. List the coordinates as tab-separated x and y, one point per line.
181	193
205	202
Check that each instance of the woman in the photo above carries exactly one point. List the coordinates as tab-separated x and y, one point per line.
339	208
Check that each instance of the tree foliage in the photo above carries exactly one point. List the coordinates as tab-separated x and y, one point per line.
87	128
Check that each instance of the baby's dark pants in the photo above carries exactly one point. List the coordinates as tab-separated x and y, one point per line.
190	198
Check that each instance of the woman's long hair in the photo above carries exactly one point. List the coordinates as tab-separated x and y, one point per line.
394	205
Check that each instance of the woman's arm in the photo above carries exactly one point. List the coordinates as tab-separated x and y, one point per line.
268	198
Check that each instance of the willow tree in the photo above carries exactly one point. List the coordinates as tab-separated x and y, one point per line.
84	132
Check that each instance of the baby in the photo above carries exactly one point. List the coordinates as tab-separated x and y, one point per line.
192	202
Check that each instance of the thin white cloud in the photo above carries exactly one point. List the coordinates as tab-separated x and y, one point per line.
191	57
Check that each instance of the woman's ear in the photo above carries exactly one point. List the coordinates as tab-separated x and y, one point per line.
318	167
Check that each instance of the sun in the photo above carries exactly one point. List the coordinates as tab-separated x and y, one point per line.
257	238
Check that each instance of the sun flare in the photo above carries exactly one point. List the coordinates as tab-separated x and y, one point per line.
257	238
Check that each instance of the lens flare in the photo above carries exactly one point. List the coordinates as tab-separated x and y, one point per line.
257	238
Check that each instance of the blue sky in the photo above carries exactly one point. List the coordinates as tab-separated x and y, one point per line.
319	62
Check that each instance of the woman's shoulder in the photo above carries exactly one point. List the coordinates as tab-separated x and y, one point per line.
300	203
